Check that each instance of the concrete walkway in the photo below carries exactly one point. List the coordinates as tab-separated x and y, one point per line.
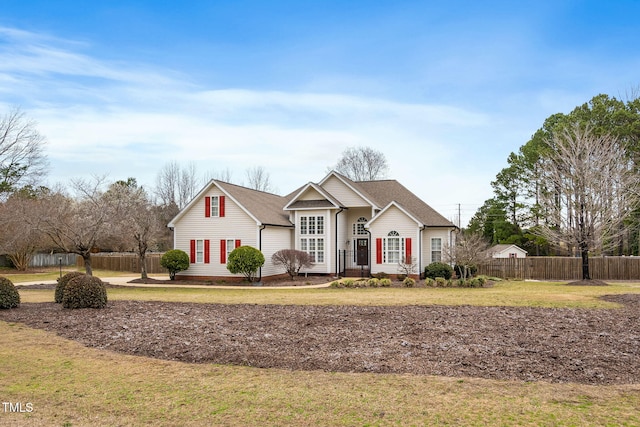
124	281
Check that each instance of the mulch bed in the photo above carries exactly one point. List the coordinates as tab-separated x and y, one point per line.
510	343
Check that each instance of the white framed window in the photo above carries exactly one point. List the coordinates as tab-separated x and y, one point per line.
215	206
314	246
392	248
230	245
436	249
312	225
199	251
358	227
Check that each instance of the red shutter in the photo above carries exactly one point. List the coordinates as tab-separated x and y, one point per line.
193	252
407	250
207	207
221	207
223	251
207	251
378	251
238	243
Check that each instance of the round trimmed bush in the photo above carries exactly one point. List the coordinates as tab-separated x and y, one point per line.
85	292
62	283
9	296
245	260
385	282
408	282
175	260
438	269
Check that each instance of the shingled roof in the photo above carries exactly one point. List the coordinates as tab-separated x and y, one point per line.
384	192
265	207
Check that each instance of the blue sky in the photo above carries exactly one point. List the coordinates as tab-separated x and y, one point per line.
446	90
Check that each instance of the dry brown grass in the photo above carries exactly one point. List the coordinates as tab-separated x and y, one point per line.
70	385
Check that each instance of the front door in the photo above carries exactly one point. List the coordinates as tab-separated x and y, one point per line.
362	251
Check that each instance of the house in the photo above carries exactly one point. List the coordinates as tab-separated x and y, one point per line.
507	251
366	226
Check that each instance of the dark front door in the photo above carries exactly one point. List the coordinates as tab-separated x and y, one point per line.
362	251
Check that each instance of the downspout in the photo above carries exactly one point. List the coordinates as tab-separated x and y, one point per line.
337	252
420	250
262	227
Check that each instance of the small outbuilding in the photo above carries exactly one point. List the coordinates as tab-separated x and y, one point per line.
507	251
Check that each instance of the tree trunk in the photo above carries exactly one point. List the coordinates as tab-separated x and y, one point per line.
87	263
584	251
142	254
143	264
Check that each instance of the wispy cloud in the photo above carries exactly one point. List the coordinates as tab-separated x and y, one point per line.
128	119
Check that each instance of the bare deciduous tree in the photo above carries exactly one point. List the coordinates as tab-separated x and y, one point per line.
22	158
78	225
468	251
590	187
259	179
225	175
362	164
408	266
134	221
18	238
176	185
292	261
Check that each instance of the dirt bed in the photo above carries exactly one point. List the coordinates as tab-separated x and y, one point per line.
529	344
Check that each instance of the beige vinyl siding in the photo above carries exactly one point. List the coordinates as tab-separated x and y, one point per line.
344	194
273	240
393	219
236	224
311	194
427	235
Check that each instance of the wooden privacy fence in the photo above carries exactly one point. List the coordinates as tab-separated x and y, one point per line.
562	268
124	262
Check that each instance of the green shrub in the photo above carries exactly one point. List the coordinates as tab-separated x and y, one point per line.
438	269
245	260
348	283
84	292
362	283
408	282
381	275
441	282
374	283
336	284
472	270
175	260
481	280
385	282
9	296
62	283
429	282
475	283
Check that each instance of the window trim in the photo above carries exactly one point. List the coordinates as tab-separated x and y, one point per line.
393	236
315	247
215	204
312	225
436	251
199	251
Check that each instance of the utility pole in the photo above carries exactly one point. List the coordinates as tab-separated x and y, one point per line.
459	216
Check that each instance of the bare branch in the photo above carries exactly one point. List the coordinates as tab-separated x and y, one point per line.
362	164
